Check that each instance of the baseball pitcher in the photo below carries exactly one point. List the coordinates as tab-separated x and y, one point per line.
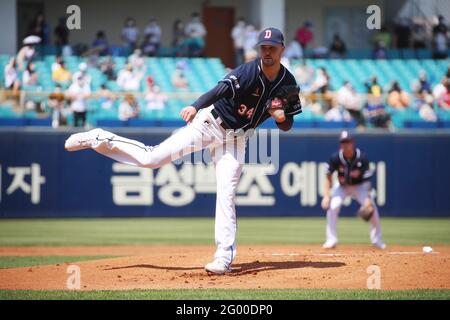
354	176
218	120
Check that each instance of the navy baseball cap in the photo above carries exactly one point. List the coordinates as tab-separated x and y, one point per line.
270	36
345	137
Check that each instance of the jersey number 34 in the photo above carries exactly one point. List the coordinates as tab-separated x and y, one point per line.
244	111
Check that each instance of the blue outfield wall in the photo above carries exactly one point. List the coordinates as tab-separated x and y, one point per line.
38	178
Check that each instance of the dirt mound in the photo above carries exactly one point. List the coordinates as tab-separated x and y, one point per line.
256	267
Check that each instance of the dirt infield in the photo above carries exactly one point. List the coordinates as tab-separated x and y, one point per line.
256	267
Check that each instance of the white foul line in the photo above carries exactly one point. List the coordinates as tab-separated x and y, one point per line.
347	254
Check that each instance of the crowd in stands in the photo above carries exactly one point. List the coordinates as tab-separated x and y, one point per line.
72	91
377	104
402	34
188	38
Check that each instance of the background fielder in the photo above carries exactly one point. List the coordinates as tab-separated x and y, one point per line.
244	99
354	176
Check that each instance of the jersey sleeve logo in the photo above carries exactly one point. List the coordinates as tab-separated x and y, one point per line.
268	34
235	81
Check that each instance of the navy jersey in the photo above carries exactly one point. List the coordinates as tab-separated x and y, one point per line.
245	109
350	172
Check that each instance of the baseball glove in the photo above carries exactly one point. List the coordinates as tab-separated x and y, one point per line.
365	212
285	98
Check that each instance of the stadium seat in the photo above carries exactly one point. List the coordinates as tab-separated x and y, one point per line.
305	124
111	123
420	124
39	122
142	123
331	124
408	54
424	53
12	122
444	124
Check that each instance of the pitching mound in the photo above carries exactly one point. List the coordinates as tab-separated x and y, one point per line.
256	267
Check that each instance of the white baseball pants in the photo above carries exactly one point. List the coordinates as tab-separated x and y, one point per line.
228	155
359	193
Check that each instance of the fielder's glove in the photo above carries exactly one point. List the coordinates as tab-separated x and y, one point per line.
285	98
365	212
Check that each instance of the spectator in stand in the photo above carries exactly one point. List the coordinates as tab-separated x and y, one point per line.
150	82
154	99
152	40
179	79
238	35
338	114
424	84
195	36
61	33
440	39
373	87
179	36
40	28
129	108
444	100
105	97
397	97
251	38
304	35
78	93
57	64
320	84
379	51
129	79
130	33
423	102
60	74
293	50
402	33
30	81
108	69
419	36
30	76
25	55
56	102
440	89
147	47
375	108
337	49
304	74
82	72
383	36
137	61
322	99
11	76
100	46
348	98
376	113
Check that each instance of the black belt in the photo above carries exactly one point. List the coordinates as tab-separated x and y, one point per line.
216	115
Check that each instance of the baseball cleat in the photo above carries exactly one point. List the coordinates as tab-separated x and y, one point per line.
83	140
329	245
217	267
380	245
